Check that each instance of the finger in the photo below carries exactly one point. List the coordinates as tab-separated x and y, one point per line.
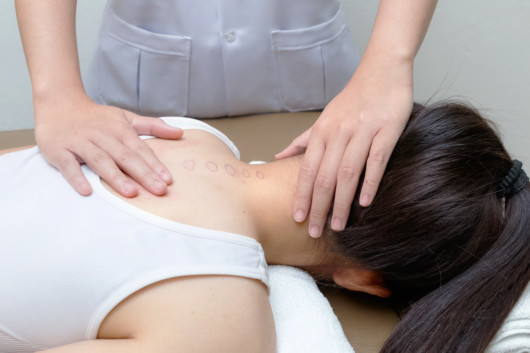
131	162
70	168
290	151
324	187
380	152
149	157
306	179
349	172
103	165
154	127
297	146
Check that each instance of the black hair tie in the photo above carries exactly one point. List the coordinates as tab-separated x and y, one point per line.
515	181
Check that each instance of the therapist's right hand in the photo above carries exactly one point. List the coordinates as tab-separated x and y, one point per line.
70	132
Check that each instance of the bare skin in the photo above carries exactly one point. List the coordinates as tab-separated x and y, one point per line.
219	313
359	127
195	314
69	127
244	198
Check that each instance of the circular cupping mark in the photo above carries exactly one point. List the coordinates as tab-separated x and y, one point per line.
189	164
260	175
246	173
212	167
230	170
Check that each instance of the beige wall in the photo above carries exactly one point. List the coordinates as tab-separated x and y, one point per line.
477	50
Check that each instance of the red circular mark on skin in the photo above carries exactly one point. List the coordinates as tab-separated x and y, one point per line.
230	170
260	175
211	166
189	164
246	173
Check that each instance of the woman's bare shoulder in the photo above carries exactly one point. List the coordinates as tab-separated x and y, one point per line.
206	313
193	142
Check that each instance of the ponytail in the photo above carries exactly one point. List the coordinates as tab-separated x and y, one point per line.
439	235
464	314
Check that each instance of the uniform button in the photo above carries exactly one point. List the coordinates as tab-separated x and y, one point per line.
230	36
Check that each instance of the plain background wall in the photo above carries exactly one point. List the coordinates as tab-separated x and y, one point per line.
16	111
478	50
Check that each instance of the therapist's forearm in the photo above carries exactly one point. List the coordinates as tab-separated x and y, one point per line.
399	29
48	32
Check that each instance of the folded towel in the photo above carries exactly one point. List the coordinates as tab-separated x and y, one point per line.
304	319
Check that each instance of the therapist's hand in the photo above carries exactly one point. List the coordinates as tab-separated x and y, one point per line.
70	131
358	128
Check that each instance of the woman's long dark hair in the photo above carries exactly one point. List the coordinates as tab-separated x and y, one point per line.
443	242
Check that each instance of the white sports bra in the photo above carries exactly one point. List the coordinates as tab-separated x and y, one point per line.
66	260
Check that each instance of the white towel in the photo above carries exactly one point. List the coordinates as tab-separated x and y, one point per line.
306	323
304	319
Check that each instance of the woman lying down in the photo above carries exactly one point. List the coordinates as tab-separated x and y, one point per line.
447	236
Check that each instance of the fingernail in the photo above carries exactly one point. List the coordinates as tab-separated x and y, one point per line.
336	224
165	176
128	188
159	186
314	231
85	188
365	200
299	216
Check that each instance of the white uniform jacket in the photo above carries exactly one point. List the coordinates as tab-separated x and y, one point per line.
211	58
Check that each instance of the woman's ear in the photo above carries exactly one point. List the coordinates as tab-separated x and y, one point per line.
360	280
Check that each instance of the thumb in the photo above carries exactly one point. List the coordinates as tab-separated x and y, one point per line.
298	146
154	127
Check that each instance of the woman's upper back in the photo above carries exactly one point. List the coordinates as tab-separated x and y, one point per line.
71	259
209	184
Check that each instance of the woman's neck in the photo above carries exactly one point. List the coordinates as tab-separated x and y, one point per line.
214	190
269	203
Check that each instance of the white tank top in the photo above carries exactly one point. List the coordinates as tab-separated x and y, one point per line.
66	260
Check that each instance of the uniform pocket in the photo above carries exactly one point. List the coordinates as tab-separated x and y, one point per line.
142	71
314	64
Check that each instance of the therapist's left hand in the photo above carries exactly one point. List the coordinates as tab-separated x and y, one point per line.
358	128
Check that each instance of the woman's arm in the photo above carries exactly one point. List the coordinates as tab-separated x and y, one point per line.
362	124
200	314
69	127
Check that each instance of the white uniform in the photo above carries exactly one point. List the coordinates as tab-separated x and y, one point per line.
66	260
213	58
